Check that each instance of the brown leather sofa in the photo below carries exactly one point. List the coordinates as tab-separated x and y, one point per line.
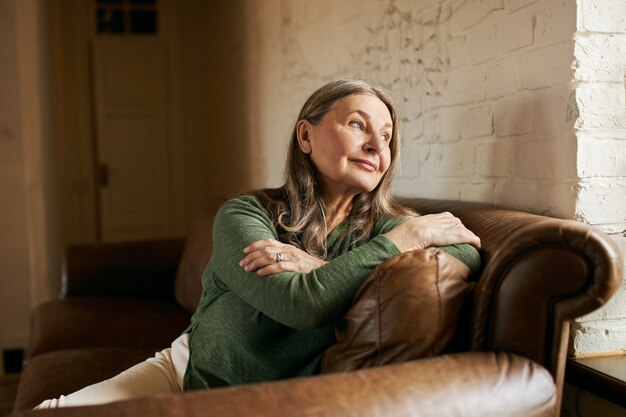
122	302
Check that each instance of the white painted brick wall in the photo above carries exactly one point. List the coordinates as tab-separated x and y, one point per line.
555	22
514	102
516	31
604	330
472	13
457	51
477	121
593	337
601	106
513	5
482	43
545	159
601	157
495	159
465	85
479	190
604	16
615	309
600	62
455	160
601	200
554	112
411	161
450	123
501	77
514	116
600	58
546	66
543	197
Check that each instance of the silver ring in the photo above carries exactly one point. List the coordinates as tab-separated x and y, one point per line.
279	257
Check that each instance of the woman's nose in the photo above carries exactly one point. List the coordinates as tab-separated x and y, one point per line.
374	144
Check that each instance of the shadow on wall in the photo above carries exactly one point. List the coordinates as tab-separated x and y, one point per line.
533	156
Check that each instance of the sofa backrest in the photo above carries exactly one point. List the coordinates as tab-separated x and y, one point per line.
198	248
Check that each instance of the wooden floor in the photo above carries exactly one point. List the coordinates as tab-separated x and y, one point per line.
8	389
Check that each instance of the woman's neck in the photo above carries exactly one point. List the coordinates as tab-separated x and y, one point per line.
337	210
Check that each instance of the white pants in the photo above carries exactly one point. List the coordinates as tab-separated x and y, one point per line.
162	374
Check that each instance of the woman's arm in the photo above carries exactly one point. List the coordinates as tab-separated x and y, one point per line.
441	230
295	299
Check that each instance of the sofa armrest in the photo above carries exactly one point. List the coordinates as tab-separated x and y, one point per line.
540	273
141	269
468	384
545	274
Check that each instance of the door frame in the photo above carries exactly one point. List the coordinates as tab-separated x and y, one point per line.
73	28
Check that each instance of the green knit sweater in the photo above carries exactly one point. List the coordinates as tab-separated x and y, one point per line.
249	328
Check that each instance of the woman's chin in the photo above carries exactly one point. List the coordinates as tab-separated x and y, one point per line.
369	188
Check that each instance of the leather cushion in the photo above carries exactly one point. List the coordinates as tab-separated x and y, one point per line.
105	322
52	374
409	307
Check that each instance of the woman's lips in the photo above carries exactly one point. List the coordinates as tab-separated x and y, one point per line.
368	165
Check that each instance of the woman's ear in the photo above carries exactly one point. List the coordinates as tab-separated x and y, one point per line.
303	131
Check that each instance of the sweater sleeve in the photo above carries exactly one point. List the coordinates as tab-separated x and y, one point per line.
295	299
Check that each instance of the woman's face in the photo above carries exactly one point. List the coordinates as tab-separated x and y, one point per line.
350	145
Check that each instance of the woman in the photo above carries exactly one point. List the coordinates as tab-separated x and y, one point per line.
287	262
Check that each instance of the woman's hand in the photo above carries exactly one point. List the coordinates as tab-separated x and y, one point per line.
262	257
431	230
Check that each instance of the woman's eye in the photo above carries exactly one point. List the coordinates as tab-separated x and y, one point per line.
386	136
357	124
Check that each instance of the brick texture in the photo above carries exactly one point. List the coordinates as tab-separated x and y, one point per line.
599	62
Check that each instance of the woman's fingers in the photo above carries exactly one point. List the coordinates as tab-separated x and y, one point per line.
263	257
261	244
260	258
474	240
440	229
261	253
276	268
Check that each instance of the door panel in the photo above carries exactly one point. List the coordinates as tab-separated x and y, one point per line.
132	125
